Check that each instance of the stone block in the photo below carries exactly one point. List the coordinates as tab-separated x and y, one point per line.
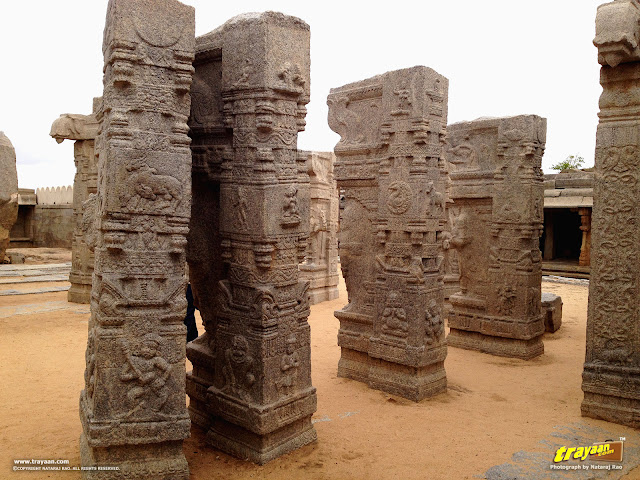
552	311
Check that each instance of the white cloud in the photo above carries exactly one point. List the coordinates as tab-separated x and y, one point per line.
501	57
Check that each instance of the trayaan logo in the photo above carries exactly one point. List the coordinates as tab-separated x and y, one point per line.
601	452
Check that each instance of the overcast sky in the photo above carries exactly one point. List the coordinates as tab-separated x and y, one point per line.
502	57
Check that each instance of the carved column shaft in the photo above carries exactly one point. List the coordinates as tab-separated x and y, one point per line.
390	164
611	377
497	216
83	129
585	227
320	267
133	407
251	382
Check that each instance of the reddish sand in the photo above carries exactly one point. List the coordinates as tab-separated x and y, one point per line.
493	407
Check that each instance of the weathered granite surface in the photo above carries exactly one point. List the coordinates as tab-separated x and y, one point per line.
250	387
320	266
496	216
390	164
552	311
611	377
8	192
83	129
133	407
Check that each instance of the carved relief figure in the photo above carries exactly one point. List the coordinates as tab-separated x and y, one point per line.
289	366
462	240
463	157
240	206
148	372
434	323
436	200
318	240
291	76
355	233
344	121
238	369
394	317
149	185
507	298
291	211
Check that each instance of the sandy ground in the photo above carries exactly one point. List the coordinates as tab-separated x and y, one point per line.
494	407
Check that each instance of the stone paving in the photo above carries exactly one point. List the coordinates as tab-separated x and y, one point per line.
14	279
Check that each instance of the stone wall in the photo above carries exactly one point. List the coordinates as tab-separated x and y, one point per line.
53	226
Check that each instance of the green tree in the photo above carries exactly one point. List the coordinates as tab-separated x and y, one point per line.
572	161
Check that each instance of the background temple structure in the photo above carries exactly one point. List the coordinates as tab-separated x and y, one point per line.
566	238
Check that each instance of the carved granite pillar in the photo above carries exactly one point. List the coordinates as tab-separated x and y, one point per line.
8	192
251	380
497	215
585	227
133	407
320	267
391	167
611	377
83	129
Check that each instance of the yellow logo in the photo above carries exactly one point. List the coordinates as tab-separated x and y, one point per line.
605	451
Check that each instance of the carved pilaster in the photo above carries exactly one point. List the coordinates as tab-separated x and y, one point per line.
390	164
133	407
611	377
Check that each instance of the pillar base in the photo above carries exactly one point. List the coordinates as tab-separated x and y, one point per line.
79	293
161	461
499	346
409	382
413	383
323	294
354	365
242	443
611	393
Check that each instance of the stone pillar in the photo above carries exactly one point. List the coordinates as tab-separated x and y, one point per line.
83	129
8	192
585	227
251	381
497	215
133	407
391	167
611	377
549	235
320	267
